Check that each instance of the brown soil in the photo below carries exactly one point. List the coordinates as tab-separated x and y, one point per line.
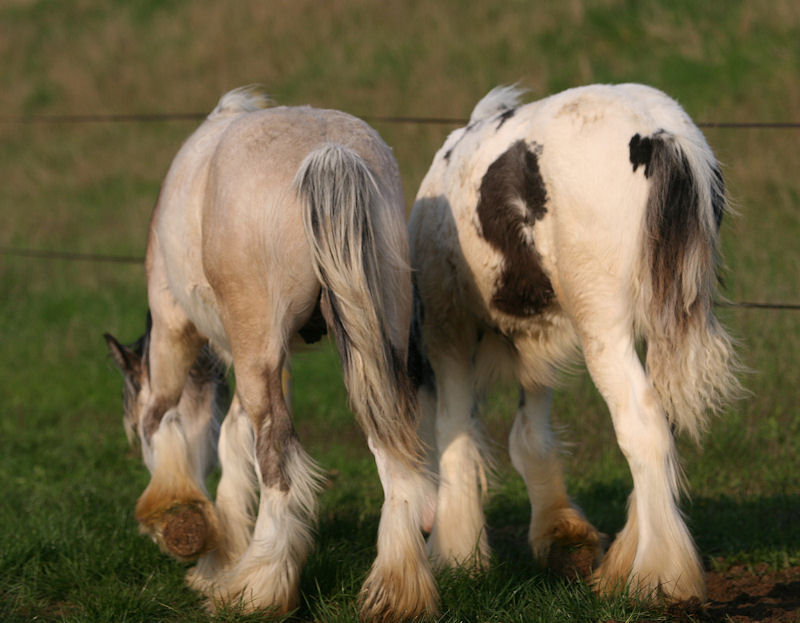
745	595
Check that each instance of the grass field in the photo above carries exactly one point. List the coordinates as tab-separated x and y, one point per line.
69	548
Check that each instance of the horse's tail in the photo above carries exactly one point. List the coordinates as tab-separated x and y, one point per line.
690	357
240	100
361	259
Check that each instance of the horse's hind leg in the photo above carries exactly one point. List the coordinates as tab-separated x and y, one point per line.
654	550
559	534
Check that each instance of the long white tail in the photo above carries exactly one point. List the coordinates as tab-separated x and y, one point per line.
347	223
690	358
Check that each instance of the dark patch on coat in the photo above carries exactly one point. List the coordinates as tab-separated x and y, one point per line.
206	374
640	153
505	116
209	373
276	442
523	289
469	128
152	418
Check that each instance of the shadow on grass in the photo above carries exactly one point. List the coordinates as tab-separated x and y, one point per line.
727	531
762	529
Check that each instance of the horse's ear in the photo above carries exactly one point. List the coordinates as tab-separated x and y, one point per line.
125	359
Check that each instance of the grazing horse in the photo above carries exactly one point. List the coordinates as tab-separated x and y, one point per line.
274	222
579	223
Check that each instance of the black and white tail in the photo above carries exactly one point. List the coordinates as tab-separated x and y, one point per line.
690	358
358	255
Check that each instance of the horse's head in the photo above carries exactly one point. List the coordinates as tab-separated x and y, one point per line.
132	362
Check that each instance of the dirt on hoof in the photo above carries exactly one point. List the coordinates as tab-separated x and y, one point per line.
185	532
570	560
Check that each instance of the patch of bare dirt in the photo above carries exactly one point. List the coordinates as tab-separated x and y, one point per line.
741	595
744	595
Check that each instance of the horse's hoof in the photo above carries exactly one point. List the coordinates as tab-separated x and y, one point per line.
185	532
572	560
571	548
182	530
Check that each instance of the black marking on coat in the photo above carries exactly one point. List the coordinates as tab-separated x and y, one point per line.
505	116
640	153
523	289
471	126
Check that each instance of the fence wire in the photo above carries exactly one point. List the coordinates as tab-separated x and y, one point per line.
196	116
131	259
392	119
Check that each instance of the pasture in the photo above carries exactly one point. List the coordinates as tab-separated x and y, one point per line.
69	547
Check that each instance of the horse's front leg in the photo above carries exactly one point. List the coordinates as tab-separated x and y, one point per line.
559	534
175	435
236	500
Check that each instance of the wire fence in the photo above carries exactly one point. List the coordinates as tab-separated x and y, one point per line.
196	116
397	119
100	258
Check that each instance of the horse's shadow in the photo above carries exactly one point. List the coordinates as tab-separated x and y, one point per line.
759	534
723	527
726	530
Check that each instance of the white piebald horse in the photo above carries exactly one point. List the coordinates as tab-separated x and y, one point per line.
584	221
273	222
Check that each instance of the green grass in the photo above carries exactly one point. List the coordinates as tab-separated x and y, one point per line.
69	548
